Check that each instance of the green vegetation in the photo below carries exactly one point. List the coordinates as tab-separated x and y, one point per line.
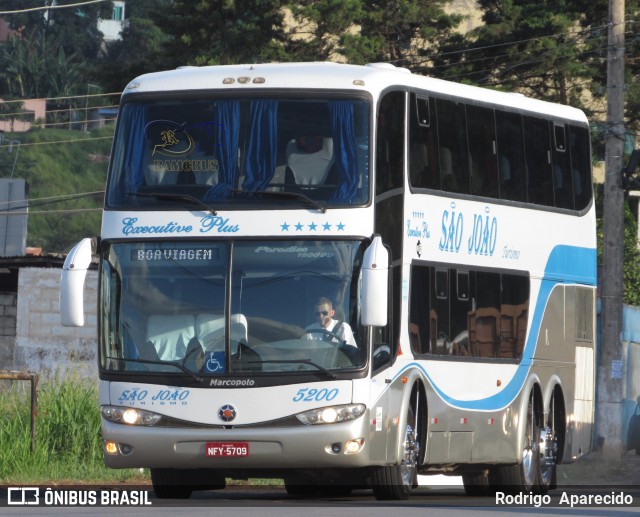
68	443
60	162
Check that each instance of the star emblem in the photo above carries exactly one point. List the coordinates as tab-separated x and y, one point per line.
227	412
326	227
313	227
299	227
340	226
285	227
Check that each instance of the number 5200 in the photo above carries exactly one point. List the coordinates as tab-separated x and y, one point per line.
315	395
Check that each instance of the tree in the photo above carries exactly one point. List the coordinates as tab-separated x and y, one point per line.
138	52
404	33
536	48
26	71
48	55
219	32
12	110
595	14
319	28
75	29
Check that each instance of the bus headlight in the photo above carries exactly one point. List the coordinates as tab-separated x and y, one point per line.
131	416
331	414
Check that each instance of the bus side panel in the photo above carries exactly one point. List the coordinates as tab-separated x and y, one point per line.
565	355
563	359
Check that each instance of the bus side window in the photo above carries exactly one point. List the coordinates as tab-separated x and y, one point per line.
580	166
483	166
420	321
511	156
538	161
390	171
454	158
390	148
562	179
484	320
386	340
423	144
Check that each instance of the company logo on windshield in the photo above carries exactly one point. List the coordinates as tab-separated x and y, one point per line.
169	138
174	140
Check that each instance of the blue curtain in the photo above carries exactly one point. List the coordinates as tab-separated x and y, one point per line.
262	146
344	149
135	151
228	116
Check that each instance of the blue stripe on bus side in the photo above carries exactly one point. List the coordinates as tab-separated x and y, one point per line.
566	264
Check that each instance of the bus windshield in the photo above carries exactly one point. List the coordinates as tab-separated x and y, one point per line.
214	309
230	152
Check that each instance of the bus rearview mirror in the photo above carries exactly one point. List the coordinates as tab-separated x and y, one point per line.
375	281
74	272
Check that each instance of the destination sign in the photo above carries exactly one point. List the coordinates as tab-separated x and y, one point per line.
175	254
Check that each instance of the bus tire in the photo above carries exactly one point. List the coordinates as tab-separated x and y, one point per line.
395	482
180	483
552	440
478	484
166	484
526	474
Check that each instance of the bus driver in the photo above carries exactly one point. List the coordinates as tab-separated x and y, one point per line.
328	329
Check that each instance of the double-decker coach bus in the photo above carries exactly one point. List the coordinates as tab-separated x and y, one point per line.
342	276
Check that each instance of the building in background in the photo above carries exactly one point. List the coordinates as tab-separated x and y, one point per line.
112	28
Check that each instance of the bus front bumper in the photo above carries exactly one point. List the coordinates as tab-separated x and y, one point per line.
342	445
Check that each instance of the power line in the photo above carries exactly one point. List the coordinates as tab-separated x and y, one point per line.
72	141
57	199
47	7
29	205
517	42
64	97
66	110
49	212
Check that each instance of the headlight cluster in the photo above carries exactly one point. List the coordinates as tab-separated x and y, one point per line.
130	415
331	414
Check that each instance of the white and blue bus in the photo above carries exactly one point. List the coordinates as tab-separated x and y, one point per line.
441	237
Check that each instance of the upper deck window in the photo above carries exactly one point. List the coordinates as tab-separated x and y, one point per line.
230	152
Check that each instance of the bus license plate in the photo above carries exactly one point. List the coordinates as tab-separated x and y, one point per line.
227	449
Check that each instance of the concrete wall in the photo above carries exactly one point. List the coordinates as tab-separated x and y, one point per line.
42	344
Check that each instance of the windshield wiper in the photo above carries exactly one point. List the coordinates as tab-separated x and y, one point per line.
290	195
296	361
177	364
176	197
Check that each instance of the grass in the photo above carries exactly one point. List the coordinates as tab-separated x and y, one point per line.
68	446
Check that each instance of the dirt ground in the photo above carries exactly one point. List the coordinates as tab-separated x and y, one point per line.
598	469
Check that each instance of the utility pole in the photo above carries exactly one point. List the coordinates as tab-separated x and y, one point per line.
611	364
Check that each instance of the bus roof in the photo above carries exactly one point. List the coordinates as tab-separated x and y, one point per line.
373	78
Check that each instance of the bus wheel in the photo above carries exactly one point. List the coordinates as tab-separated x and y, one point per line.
552	441
167	484
395	482
526	475
478	484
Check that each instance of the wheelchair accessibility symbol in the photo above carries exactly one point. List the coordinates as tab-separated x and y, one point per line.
214	362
